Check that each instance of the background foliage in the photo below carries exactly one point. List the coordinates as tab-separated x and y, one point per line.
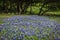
29	6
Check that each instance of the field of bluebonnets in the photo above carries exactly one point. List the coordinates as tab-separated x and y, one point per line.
31	27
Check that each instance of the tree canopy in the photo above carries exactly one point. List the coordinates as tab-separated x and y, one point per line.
20	6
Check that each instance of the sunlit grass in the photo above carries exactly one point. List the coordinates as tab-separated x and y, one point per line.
55	18
55	12
34	9
4	15
1	22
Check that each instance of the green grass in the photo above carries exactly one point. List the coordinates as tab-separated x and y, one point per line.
34	9
55	12
5	15
1	22
55	18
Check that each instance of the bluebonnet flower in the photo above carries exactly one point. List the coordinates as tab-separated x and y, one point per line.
56	39
21	36
18	26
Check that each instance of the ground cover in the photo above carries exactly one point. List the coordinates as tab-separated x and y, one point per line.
31	27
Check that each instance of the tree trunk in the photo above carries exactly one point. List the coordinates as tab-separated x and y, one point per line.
25	8
41	9
18	8
3	6
30	8
45	11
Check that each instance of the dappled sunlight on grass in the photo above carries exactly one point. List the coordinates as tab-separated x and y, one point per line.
55	12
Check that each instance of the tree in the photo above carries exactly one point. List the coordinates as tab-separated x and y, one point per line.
47	3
